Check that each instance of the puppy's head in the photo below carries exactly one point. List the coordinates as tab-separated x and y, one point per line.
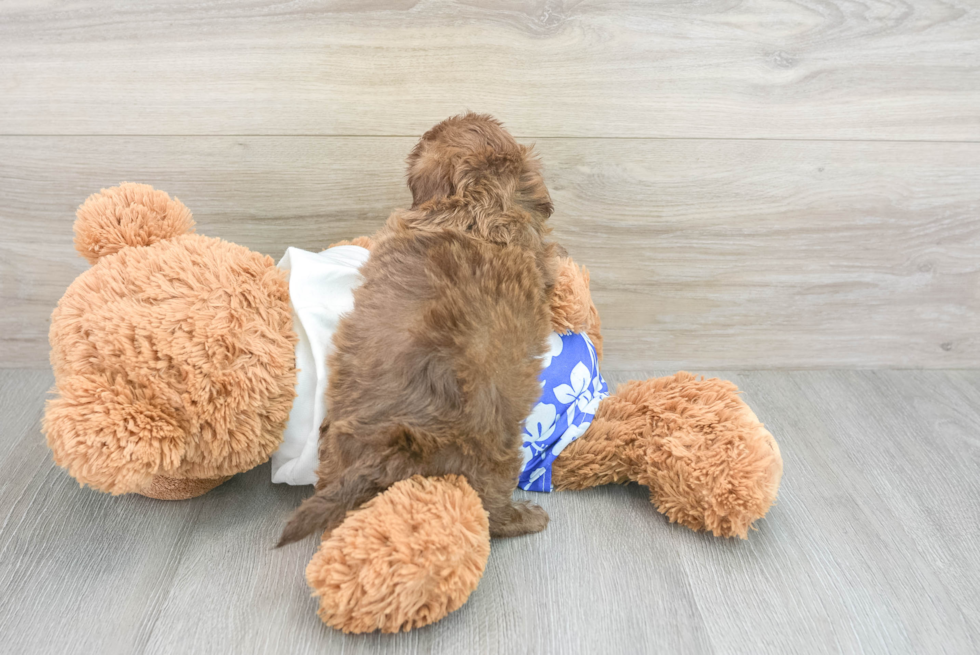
474	161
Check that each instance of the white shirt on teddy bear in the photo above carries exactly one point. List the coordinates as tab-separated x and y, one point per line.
321	290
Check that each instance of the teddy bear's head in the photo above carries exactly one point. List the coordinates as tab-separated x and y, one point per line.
173	355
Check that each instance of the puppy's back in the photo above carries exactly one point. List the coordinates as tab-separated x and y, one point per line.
444	336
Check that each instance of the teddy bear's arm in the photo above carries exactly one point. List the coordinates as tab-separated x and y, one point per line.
572	309
364	242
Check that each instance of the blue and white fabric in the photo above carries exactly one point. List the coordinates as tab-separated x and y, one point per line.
571	390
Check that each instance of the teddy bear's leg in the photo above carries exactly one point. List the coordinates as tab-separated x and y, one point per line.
406	559
709	463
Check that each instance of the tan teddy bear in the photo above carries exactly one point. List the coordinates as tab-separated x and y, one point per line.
175	369
173	354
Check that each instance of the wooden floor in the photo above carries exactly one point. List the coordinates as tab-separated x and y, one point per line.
753	184
872	548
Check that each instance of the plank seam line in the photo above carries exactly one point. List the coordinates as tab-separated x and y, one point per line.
518	136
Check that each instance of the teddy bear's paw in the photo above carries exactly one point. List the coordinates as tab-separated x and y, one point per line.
112	435
710	464
406	559
128	215
721	481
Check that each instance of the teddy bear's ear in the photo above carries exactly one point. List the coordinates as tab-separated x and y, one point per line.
128	215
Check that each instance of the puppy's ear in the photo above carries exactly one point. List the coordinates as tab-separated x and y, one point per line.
430	175
532	194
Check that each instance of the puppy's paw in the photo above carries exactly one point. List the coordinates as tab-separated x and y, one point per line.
534	517
522	518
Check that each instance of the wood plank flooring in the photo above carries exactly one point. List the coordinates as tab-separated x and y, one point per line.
872	548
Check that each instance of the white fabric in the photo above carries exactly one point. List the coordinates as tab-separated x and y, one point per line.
321	289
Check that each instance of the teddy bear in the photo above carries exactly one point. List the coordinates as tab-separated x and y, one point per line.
175	368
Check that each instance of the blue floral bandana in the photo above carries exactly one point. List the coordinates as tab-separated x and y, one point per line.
571	391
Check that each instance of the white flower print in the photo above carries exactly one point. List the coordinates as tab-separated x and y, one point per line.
564	411
597	395
592	353
538	472
578	393
555	346
541	423
528	452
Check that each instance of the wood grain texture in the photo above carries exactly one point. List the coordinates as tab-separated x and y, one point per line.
871	487
704	253
870	549
815	69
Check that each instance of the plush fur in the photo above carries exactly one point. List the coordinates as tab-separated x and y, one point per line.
571	304
125	216
436	368
173	355
164	488
709	463
408	558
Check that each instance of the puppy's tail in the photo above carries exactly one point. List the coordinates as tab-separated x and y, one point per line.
326	509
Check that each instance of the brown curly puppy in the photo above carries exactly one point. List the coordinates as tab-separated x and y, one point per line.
437	366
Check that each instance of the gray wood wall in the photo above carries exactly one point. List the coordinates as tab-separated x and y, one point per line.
752	184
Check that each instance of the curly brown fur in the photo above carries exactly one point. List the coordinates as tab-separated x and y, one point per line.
437	366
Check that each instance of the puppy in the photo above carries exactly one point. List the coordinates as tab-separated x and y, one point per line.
436	368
